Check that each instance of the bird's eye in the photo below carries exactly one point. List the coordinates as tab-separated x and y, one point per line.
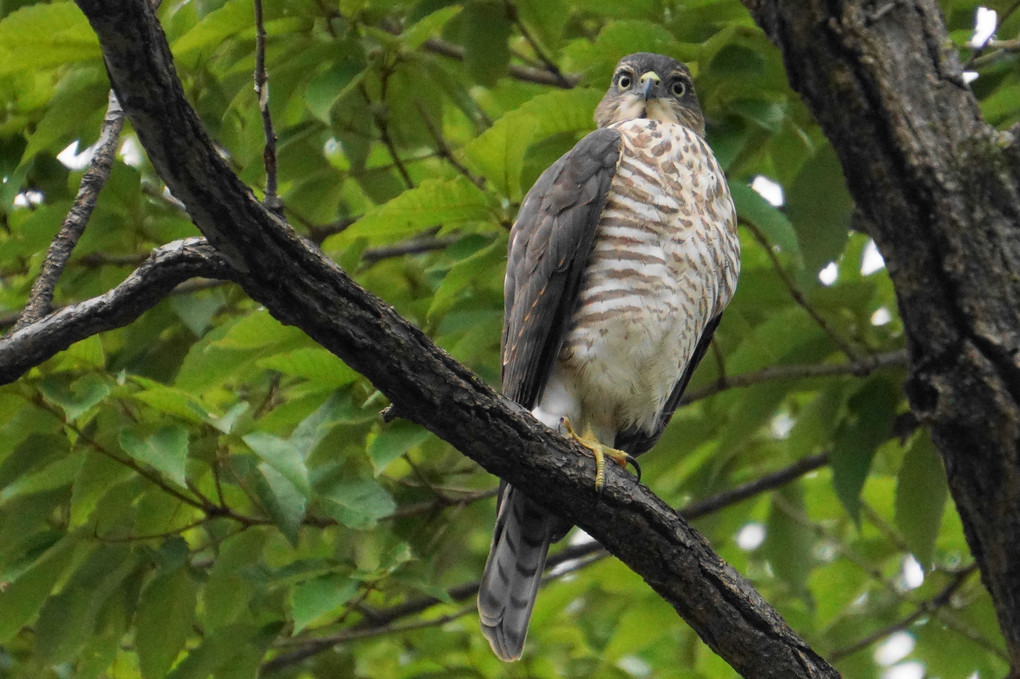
678	88
624	82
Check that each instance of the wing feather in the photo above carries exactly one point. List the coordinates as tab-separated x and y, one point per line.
549	248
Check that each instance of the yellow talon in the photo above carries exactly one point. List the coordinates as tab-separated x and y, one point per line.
599	451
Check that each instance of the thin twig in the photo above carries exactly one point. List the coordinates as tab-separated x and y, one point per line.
40	299
518	72
924	608
889	359
271	200
444	149
550	66
798	296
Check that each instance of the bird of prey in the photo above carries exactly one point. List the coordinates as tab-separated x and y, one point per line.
622	258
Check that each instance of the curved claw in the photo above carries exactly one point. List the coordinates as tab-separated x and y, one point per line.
631	460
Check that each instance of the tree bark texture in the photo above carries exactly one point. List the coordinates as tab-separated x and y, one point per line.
941	191
300	286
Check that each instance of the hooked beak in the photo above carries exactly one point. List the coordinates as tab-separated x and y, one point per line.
649	82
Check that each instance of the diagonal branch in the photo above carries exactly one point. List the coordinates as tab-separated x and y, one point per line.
165	268
302	287
40	298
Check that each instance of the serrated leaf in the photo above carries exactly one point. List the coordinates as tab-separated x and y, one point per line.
45	35
428	27
357	504
393	441
870	414
83	394
921	494
228	590
333	84
216	26
312	363
68	619
498	153
172	401
788	539
165	449
447	202
317	598
461	275
23	598
819	207
282	456
485	29
285	504
163	622
98	473
55	475
310	431
773	224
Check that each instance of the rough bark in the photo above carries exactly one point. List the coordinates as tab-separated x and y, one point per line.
941	190
300	286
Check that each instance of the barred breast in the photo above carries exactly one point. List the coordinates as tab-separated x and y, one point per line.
665	262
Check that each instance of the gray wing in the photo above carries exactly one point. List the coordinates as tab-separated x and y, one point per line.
637	441
549	247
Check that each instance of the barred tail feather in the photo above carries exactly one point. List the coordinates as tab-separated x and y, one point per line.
513	572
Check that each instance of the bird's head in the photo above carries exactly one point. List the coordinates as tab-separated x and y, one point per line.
651	86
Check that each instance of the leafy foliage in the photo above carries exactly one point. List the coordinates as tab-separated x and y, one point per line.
207	491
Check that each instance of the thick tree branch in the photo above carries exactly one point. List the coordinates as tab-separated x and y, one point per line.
300	286
941	190
165	268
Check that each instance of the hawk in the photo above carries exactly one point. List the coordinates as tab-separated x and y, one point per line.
622	258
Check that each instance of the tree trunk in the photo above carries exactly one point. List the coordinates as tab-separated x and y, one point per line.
940	191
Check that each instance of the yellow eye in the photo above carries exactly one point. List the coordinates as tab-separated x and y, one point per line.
678	88
624	82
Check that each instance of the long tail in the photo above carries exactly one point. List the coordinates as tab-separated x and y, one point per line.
513	571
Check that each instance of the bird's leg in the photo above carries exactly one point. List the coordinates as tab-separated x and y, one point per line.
599	451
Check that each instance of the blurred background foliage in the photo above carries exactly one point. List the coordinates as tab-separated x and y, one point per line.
207	492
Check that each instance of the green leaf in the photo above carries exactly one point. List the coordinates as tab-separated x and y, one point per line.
434	202
788	539
312	363
233	652
228	592
216	26
498	153
22	598
67	620
461	277
869	422
819	207
165	449
319	598
393	441
428	27
282	456
98	473
921	493
484	33
165	615
45	35
83	394
285	504
773	224
358	504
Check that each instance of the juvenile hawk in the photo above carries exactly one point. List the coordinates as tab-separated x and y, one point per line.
622	258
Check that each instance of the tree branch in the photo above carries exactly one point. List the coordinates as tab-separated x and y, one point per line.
165	268
40	298
300	286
